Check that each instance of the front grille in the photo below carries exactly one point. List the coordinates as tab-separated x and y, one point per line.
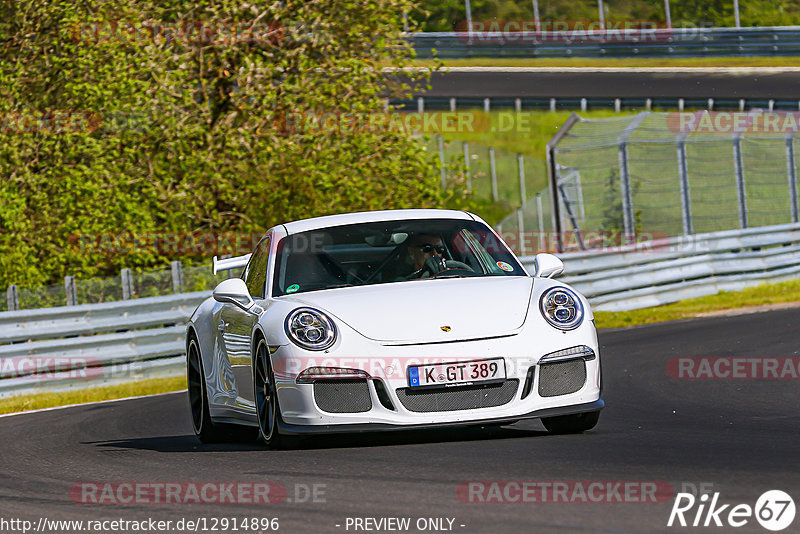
561	378
342	396
459	398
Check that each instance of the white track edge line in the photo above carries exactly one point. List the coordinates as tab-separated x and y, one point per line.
107	401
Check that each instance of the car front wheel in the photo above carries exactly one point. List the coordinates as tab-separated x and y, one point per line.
571	424
266	397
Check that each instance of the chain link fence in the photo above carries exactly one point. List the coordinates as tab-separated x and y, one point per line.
491	174
627	179
128	285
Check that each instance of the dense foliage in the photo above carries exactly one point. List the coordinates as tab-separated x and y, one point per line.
445	15
128	117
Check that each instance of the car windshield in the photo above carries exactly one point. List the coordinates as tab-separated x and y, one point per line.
389	251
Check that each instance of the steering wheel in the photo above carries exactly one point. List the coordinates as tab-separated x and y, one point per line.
436	266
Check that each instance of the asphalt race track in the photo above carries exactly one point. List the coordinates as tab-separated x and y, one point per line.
618	83
739	437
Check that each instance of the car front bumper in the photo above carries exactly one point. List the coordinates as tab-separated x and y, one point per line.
302	430
301	412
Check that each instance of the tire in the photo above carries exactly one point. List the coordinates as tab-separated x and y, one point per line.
266	398
204	428
571	424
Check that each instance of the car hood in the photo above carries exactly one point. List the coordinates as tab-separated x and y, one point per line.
420	311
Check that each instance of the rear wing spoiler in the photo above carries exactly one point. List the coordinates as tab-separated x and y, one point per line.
230	263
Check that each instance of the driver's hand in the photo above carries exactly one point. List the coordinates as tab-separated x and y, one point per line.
434	265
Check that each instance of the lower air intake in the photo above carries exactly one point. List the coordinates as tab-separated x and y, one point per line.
561	378
342	396
458	398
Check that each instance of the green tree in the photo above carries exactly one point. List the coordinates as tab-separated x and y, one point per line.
174	130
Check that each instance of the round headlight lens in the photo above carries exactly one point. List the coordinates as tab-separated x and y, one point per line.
562	308
310	329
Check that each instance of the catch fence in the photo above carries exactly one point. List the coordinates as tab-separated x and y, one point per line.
621	180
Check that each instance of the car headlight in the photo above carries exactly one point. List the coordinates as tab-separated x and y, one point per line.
310	329
562	308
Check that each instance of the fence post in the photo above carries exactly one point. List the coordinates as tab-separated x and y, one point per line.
452	104
552	177
493	169
521	226
553	105
540	215
12	298
521	168
177	276
683	173
420	105
740	190
486	105
791	173
518	105
71	291
443	170
625	185
624	176
127	284
465	146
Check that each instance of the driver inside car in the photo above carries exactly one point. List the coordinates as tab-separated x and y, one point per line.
425	255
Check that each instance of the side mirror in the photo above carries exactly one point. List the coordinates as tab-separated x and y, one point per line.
235	291
547	265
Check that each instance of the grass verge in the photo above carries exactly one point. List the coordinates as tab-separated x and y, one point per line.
21	403
620	62
760	295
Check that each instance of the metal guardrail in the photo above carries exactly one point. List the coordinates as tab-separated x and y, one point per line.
73	347
619	105
667	270
677	42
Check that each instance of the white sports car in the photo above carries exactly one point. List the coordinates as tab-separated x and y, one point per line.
390	320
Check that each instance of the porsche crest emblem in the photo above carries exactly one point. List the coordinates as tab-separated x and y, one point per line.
445	328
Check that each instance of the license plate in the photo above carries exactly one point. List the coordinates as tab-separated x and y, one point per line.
457	373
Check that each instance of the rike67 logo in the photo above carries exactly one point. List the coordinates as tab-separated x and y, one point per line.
774	510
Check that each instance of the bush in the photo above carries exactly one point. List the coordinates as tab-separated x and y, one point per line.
112	134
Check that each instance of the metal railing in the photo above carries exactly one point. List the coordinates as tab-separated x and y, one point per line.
57	349
619	105
676	42
667	270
